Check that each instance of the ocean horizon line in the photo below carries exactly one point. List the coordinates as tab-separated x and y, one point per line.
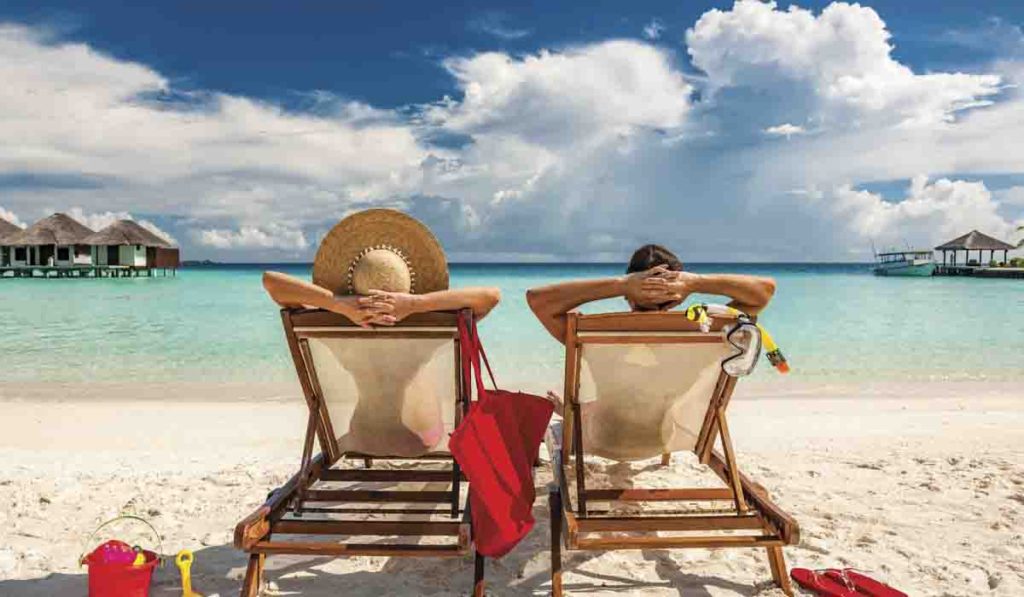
207	263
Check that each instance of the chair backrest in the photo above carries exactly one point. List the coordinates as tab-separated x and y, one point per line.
644	383
385	391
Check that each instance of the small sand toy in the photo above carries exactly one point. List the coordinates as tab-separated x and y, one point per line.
184	561
117	569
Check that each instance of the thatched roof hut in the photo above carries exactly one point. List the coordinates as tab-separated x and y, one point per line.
7	229
974	241
126	232
129	244
58	229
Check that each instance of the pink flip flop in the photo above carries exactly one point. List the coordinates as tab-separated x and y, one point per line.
820	584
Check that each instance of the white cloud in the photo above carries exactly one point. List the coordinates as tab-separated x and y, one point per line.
543	121
941	209
1012	196
497	24
11	217
654	29
784	130
554	98
79	113
837	66
272	236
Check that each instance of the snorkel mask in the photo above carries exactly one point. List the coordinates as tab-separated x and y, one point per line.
745	337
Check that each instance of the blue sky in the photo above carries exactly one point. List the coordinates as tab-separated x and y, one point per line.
387	53
567	131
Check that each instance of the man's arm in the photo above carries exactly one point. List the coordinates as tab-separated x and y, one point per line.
749	294
551	303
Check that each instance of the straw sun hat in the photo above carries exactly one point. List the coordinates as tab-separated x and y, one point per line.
380	249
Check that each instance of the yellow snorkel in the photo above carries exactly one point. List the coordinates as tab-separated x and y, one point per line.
772	351
702	313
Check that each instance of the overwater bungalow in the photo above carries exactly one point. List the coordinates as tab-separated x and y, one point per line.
6	229
59	246
977	241
53	242
126	244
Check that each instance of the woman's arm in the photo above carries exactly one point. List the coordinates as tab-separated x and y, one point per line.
551	303
399	305
291	292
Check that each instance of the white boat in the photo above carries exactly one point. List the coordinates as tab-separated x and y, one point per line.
904	263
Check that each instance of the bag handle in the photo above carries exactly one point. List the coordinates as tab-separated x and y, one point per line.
480	349
466	348
471	351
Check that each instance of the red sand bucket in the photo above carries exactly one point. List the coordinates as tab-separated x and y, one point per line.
112	571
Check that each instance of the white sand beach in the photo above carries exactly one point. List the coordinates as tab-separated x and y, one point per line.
922	486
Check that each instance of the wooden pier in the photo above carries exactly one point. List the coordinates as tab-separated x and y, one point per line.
976	271
83	271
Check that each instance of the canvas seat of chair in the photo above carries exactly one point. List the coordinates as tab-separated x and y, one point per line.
381	405
387	397
639	401
641	386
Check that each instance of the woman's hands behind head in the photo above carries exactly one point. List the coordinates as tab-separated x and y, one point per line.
388	308
377	308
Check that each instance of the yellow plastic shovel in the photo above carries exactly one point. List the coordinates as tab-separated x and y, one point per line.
184	561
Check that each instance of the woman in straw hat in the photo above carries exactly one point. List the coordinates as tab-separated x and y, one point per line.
377	267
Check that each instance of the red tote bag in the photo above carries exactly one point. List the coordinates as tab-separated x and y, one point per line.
496	444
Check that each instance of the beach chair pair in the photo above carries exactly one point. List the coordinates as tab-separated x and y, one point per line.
637	386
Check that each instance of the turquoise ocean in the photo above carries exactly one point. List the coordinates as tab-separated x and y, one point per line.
836	323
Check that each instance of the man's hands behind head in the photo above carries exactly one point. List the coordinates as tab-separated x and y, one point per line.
660	287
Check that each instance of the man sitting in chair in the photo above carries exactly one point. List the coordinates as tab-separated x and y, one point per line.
655	281
376	268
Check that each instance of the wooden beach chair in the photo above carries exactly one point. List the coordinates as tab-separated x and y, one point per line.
640	385
383	394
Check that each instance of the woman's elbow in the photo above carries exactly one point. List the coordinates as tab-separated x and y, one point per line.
271	281
767	289
487	300
493	297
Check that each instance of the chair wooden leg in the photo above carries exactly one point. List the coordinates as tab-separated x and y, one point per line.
555	511
730	459
479	586
777	562
666	459
253	581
